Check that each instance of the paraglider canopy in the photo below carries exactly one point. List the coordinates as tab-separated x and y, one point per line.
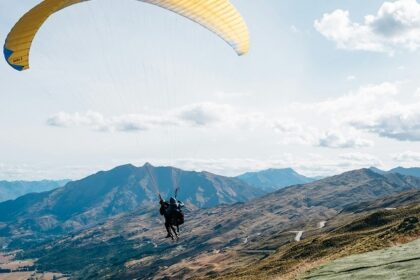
219	16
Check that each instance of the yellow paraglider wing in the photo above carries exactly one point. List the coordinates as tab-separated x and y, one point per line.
18	42
219	16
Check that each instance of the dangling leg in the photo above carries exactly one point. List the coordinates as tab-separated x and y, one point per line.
174	231
168	230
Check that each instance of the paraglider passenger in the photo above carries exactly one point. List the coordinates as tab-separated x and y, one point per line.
172	211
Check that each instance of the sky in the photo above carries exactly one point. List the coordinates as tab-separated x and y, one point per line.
328	86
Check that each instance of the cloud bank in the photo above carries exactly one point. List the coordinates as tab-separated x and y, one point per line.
395	25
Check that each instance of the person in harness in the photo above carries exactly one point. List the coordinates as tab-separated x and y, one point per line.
172	211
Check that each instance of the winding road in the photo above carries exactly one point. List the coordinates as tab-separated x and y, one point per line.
298	236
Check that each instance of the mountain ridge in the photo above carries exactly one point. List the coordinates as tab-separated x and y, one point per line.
273	179
10	190
109	193
410	171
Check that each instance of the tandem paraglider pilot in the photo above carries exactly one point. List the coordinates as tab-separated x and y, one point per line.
174	217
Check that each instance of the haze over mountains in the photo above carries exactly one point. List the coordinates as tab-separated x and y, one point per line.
273	179
108	193
132	245
13	189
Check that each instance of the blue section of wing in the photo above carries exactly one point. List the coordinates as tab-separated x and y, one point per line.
7	54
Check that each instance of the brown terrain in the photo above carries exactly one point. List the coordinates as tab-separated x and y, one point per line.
19	269
246	240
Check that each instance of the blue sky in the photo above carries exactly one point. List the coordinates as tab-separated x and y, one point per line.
328	86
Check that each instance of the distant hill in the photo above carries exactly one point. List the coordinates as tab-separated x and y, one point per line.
412	171
227	237
14	189
108	193
274	179
377	170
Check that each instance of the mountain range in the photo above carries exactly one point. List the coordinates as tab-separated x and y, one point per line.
226	238
273	179
13	189
85	202
412	171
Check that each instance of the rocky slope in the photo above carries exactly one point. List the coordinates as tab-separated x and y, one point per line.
400	262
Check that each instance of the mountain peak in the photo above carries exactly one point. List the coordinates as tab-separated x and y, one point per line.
377	170
360	172
128	165
287	169
274	178
148	164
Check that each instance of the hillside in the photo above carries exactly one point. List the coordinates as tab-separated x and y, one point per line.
13	189
401	261
109	193
273	179
217	240
346	235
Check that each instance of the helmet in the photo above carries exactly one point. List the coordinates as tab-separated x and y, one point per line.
172	200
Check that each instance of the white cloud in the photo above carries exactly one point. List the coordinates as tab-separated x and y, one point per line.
204	114
356	103
344	122
294	29
325	166
93	119
376	109
338	140
42	171
231	95
383	110
396	24
293	133
417	94
97	122
195	115
361	159
351	78
407	157
394	120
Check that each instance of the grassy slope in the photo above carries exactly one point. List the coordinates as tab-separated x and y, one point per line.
367	232
399	262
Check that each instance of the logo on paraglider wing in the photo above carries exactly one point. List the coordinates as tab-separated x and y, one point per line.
7	54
